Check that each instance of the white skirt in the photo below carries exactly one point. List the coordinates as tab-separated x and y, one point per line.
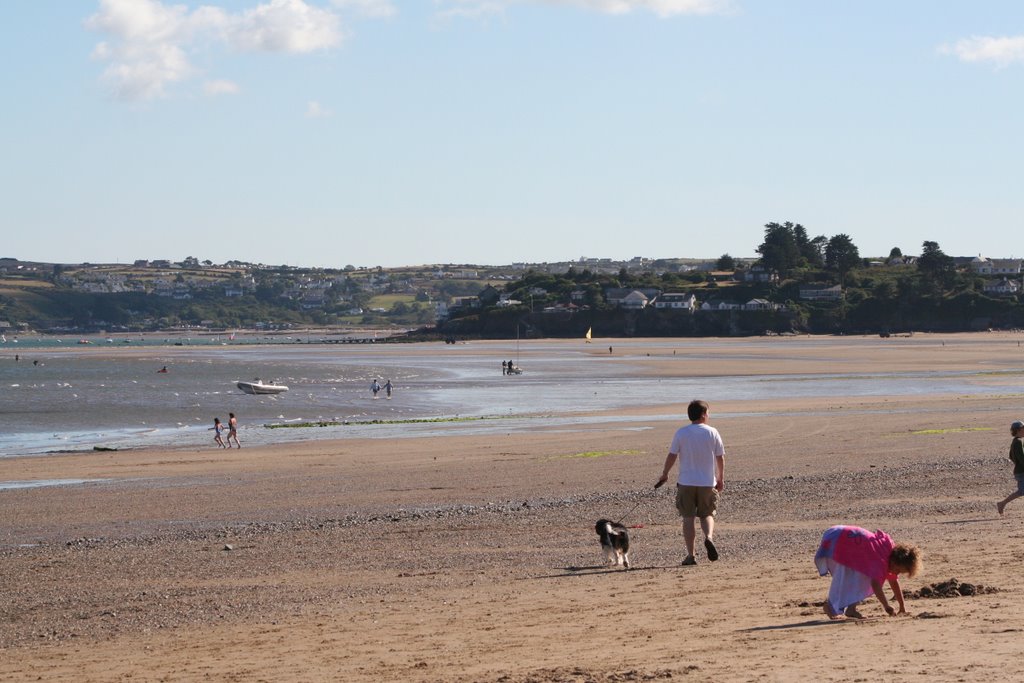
848	587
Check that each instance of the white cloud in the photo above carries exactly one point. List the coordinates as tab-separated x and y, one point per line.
471	8
140	73
221	87
314	110
662	8
368	8
150	42
1001	51
284	26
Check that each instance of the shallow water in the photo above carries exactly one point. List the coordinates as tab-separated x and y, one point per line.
78	399
40	483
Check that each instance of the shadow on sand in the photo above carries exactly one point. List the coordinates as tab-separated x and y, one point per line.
966	521
597	569
803	624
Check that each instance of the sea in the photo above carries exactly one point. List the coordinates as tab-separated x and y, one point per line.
59	395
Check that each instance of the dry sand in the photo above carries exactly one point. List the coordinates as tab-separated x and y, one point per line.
474	558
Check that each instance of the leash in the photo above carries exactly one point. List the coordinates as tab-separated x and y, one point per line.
639	503
631	510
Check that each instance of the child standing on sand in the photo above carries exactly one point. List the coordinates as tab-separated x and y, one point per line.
859	561
1017	458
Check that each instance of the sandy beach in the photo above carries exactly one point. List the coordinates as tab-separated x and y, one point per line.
473	557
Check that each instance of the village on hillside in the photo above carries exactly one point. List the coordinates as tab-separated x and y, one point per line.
202	295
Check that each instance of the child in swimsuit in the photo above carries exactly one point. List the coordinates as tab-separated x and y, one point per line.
217	427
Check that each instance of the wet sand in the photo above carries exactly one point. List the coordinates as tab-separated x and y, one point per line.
473	558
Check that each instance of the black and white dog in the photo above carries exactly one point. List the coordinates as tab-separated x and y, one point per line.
614	543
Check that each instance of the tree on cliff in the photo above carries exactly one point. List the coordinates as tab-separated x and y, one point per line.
787	247
812	250
780	252
935	267
841	255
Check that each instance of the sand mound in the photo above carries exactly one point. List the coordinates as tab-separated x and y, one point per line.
951	589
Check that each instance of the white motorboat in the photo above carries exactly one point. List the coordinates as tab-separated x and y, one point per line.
258	386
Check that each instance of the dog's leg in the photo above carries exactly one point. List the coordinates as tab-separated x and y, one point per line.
625	560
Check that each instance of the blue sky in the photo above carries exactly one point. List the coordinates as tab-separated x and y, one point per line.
386	132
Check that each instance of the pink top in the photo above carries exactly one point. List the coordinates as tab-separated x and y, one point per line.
860	550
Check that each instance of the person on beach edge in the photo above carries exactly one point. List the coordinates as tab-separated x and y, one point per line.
859	562
1017	458
701	454
217	429
233	430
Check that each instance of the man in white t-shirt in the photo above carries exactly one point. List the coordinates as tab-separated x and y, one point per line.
701	455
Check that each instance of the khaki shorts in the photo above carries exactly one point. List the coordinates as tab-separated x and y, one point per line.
696	501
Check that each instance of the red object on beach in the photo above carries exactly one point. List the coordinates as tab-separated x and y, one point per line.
637	526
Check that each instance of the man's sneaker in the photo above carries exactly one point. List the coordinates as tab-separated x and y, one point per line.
712	550
690	559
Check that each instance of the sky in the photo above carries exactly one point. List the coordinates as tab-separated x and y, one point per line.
326	133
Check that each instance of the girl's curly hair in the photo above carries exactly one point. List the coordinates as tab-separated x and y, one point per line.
907	557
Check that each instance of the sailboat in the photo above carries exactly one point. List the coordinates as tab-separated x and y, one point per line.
514	369
588	335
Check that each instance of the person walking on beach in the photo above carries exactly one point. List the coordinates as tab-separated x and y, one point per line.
1017	458
217	429
504	367
233	430
859	561
375	387
701	454
388	387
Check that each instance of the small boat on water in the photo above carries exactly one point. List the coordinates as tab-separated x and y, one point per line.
258	386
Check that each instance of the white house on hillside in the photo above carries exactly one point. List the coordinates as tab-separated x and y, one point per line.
676	300
995	266
634	300
761	305
1003	287
616	295
719	305
812	293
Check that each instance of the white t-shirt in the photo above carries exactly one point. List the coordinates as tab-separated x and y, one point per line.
697	446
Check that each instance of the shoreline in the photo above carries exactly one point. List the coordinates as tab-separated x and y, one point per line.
604	383
596	344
